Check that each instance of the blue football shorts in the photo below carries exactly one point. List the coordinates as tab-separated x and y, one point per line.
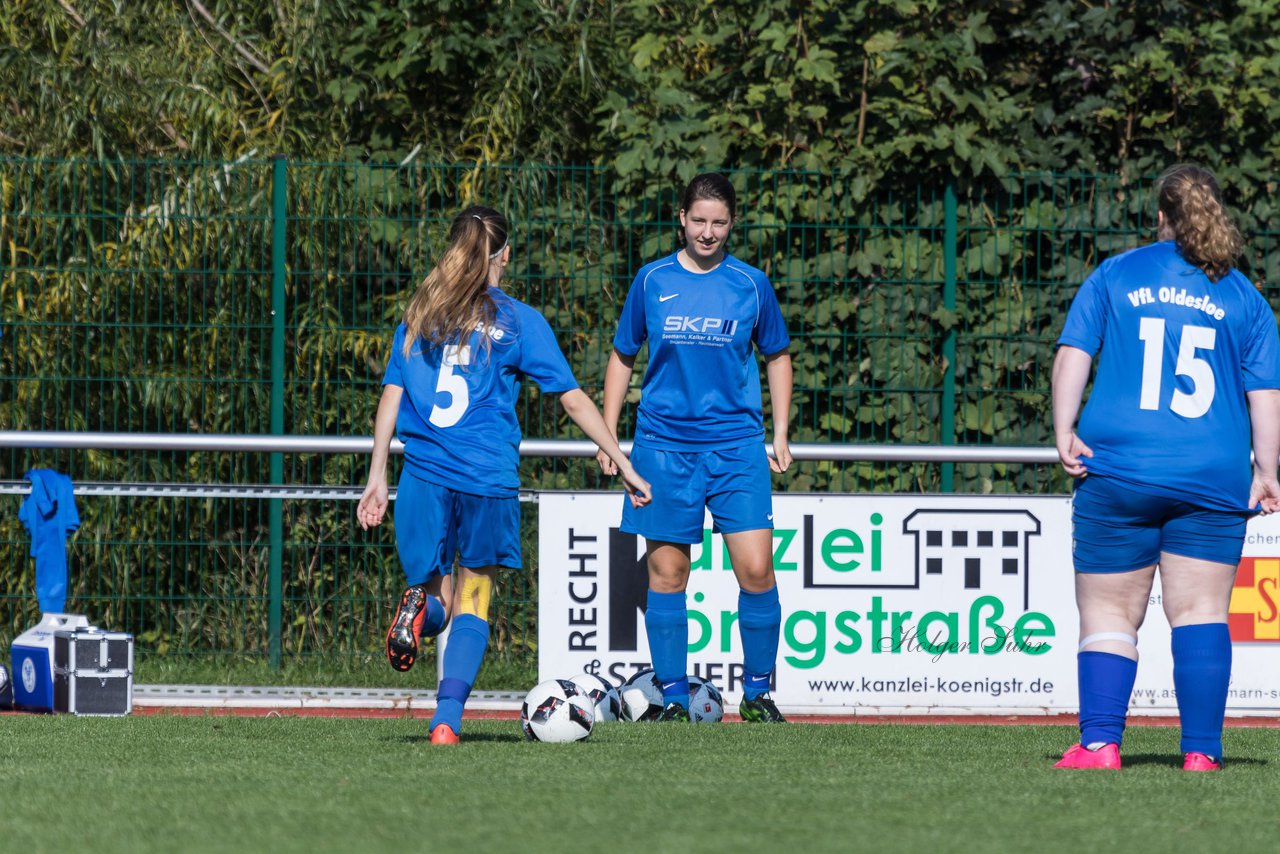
1115	528
434	523
733	484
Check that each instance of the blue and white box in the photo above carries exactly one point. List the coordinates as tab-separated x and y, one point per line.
31	655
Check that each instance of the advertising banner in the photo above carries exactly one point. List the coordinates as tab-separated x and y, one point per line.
957	604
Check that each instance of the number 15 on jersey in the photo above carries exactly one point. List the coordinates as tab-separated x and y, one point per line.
1193	338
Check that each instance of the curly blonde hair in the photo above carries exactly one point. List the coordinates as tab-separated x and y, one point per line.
1191	201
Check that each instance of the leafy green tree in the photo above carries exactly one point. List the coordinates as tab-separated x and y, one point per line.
336	80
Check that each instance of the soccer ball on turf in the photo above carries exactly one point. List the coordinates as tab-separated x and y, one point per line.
706	705
556	710
604	696
641	697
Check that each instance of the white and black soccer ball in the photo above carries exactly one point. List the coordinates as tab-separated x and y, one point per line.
603	693
557	711
706	704
641	697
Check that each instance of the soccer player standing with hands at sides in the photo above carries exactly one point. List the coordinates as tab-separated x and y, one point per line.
699	436
450	389
1188	382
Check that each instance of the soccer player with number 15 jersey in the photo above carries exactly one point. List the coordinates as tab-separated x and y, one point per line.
1188	382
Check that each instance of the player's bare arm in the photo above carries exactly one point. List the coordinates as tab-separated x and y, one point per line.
373	502
617	376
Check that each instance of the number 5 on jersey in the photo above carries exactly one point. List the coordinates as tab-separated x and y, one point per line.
1196	404
453	384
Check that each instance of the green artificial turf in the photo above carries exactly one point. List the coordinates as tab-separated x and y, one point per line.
171	783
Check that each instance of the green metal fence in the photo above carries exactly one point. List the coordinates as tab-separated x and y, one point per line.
256	297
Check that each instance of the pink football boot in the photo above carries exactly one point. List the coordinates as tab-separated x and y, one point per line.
1201	762
1079	756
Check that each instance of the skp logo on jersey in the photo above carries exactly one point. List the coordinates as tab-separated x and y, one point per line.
1254	613
702	325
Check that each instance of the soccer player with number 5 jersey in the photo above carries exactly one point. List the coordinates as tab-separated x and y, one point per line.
699	436
457	364
1187	384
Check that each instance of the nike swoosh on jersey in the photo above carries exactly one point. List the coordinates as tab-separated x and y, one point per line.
667	297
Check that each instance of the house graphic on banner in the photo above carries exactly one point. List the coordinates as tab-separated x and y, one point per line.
972	550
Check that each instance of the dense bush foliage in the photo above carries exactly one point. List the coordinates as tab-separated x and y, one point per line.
887	90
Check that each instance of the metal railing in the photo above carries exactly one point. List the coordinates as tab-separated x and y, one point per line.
528	447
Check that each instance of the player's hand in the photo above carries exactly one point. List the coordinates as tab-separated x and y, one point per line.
1070	450
781	459
638	489
373	504
1264	494
607	465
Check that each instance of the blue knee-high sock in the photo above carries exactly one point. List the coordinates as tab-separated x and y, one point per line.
1106	684
759	623
434	619
1201	675
666	623
468	640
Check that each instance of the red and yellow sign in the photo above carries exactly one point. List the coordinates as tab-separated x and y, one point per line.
1255	601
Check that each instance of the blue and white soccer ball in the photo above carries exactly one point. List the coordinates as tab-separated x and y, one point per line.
706	704
641	697
603	693
557	711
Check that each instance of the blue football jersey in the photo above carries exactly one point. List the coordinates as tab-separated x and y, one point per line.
458	413
1176	355
701	390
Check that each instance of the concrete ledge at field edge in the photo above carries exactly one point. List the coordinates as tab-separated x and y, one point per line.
261	696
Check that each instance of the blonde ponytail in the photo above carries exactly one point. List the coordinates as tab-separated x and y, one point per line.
453	300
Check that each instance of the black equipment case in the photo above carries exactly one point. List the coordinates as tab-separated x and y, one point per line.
93	672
